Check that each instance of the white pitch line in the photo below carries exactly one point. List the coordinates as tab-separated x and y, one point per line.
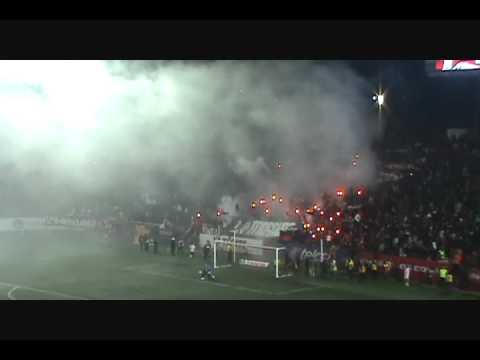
17	286
10	293
214	283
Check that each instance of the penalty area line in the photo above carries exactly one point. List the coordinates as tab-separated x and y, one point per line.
17	286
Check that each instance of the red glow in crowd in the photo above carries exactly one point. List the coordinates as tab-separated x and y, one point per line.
337	231
331	218
267	211
339	193
354	163
297	211
280	200
262	201
339	213
322	212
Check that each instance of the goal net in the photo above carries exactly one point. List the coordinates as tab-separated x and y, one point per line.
229	253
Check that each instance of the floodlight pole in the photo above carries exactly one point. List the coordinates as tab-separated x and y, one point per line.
379	125
321	249
234	247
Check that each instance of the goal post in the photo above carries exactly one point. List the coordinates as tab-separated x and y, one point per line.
230	253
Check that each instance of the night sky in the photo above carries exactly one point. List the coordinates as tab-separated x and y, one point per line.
422	101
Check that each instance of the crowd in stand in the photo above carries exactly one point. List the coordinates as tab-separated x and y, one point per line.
431	212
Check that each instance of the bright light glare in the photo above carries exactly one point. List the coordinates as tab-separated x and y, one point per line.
380	99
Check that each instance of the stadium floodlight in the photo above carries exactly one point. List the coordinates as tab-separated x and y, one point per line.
380	100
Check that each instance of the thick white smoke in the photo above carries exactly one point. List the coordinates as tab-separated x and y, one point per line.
78	128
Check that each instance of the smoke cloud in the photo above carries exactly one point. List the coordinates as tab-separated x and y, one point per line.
205	130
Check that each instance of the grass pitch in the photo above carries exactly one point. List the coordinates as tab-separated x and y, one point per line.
81	265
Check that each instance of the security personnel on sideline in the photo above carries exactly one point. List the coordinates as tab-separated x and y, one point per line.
449	279
362	271
350	267
443	276
173	245
387	267
374	269
334	268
